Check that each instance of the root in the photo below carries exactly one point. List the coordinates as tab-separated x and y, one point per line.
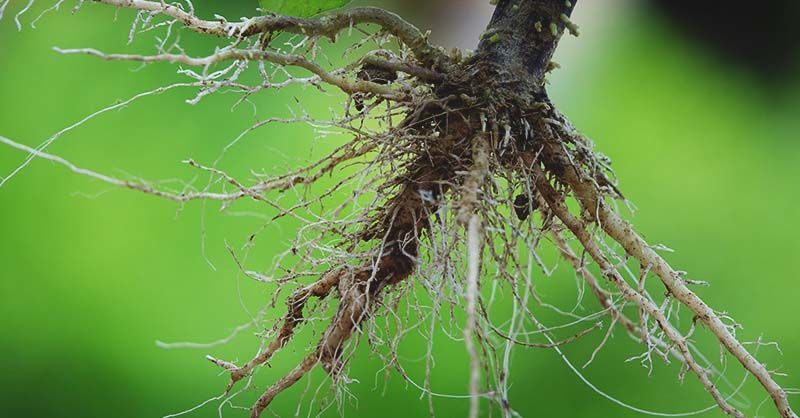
474	241
445	149
593	205
284	383
470	197
293	317
557	205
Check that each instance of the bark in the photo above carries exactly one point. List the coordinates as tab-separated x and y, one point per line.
521	39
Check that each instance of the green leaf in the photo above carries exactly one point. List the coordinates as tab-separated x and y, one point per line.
301	8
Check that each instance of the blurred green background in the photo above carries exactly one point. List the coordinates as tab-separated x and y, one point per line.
91	276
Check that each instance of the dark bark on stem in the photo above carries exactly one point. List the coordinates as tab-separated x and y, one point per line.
521	39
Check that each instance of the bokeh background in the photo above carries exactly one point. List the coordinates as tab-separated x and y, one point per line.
704	141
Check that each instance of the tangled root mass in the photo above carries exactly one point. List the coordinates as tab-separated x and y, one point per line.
471	168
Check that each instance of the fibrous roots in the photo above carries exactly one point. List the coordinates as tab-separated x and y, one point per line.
465	169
